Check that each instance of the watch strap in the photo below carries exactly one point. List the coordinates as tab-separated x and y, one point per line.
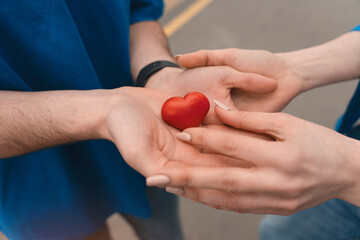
150	69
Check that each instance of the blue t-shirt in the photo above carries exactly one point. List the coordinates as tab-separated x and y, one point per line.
67	192
352	113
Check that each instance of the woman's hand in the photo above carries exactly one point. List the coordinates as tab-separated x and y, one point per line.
214	82
273	66
302	166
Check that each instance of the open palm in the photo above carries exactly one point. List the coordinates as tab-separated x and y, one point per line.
144	140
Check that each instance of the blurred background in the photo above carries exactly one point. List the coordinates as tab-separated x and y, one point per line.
277	26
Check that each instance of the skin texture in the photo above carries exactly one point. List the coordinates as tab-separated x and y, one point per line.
144	129
294	72
149	44
30	121
303	165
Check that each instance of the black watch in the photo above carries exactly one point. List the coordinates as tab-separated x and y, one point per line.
150	69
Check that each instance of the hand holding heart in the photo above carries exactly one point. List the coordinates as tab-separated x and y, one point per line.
300	166
213	82
144	140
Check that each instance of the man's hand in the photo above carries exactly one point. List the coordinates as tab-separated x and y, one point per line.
214	82
144	140
302	166
273	66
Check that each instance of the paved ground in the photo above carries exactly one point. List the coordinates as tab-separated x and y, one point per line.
277	25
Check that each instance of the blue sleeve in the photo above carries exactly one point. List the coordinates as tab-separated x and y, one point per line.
357	28
146	10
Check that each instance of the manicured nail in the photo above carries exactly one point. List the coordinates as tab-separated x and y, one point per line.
177	56
175	190
184	136
221	105
158	180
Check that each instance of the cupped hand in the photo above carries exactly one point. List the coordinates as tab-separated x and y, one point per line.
143	139
274	66
302	166
215	83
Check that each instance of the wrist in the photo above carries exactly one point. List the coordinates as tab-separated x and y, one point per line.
100	104
331	62
164	79
351	191
300	65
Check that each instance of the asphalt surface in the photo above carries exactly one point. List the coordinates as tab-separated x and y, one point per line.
277	26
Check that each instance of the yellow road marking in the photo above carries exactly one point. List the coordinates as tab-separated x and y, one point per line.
185	16
171	4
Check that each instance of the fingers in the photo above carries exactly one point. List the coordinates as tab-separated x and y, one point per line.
245	202
250	82
229	144
224	179
273	124
258	61
204	58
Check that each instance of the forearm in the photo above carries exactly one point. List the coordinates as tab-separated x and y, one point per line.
334	61
148	43
30	121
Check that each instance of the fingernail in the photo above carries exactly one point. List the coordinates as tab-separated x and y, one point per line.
176	190
177	56
158	180
221	105
184	136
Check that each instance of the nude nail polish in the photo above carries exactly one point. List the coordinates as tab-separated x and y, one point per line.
184	136
176	190
157	180
221	105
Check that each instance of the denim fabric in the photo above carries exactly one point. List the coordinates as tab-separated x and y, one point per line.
164	224
333	220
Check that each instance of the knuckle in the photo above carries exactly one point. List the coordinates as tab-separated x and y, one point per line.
197	136
227	182
290	207
283	118
193	194
293	189
231	202
229	147
202	52
185	179
292	161
245	114
214	206
265	52
225	74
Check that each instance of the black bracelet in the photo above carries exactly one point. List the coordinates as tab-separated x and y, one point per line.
150	70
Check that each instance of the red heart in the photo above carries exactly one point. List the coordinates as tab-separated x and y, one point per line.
185	112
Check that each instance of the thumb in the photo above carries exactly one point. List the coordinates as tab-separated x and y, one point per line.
251	82
204	58
272	124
